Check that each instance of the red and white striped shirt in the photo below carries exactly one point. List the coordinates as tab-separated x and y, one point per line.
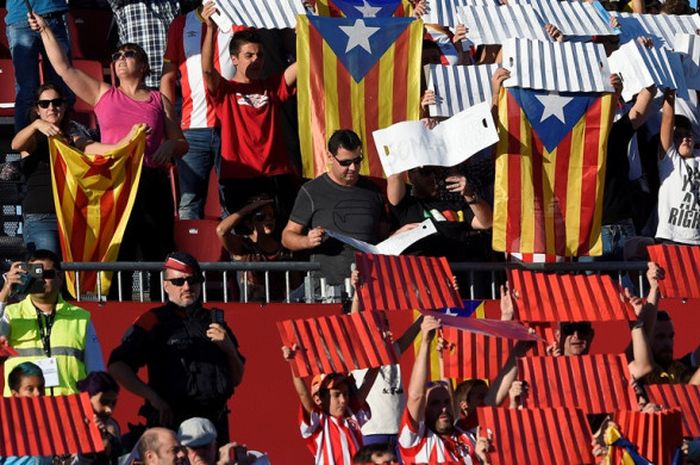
332	440
423	446
184	50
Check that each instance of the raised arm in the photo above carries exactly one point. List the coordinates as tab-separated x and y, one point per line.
212	78
302	391
84	86
290	75
667	116
641	109
233	243
415	403
395	188
640	360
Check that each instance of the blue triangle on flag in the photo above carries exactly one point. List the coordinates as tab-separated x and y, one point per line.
468	308
367	8
552	115
359	42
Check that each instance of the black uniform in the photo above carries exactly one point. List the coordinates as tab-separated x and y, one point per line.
187	370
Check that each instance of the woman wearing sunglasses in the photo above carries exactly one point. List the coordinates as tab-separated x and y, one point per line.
48	117
255	240
149	233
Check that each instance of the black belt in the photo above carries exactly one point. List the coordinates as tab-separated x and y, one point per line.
54	15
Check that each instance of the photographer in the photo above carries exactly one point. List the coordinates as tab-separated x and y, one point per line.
45	329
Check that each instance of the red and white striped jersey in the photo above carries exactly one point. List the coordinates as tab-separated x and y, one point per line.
331	440
423	446
184	50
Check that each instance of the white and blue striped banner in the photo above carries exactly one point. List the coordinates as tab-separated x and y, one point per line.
662	28
263	14
495	24
458	87
444	12
688	45
572	18
555	66
640	67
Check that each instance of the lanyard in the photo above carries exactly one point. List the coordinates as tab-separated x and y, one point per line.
45	324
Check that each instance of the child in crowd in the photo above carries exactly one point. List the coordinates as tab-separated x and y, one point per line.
103	391
26	380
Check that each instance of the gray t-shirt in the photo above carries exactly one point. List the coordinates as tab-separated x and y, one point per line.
356	211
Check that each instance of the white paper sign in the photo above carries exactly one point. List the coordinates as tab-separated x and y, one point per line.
689	47
410	144
49	368
391	246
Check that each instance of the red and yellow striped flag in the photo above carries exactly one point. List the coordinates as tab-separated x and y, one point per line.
364	8
93	195
550	171
355	73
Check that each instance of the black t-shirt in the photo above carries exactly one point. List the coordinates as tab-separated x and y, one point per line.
453	221
36	169
618	190
355	211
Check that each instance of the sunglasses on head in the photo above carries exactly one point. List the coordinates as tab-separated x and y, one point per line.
116	56
353	161
55	102
179	282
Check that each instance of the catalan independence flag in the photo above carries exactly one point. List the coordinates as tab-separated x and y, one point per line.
94	195
620	450
550	170
364	8
355	73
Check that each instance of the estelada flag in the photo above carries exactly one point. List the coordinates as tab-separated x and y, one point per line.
363	8
550	171
355	73
93	195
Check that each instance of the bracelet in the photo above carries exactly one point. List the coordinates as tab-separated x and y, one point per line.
638	324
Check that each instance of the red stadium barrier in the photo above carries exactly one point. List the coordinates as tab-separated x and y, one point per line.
594	383
567	297
338	344
39	426
406	282
468	355
537	436
657	435
683	396
682	266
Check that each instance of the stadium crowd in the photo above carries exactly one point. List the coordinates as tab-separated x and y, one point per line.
206	99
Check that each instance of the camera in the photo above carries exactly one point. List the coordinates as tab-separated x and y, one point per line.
31	279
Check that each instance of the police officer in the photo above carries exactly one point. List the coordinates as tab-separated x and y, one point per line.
191	355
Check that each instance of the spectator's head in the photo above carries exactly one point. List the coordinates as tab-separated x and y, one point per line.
683	136
52	274
675	7
438	408
26	380
374	453
610	43
103	391
334	391
424	181
49	104
662	339
469	395
575	338
247	54
159	446
344	157
198	435
262	220
131	62
182	279
431	53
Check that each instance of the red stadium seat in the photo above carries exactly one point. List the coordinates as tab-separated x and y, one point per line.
89	34
7	88
212	206
198	237
4	45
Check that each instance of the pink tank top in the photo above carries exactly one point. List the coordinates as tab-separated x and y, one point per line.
117	113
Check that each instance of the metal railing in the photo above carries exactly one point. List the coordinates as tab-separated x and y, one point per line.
484	278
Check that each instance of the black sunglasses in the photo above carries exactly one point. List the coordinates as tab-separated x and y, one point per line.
261	216
48	274
116	56
191	280
582	329
56	102
353	161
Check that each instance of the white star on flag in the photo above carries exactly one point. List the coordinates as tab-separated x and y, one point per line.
367	10
553	106
358	35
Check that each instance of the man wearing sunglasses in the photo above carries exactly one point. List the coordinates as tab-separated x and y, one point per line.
340	200
45	329
191	355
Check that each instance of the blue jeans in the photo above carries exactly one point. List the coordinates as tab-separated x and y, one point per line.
40	232
614	237
193	171
25	47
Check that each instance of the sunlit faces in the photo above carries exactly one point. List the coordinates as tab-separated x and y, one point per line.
684	141
128	64
30	386
438	410
345	165
51	107
183	289
249	61
53	279
575	338
103	404
335	400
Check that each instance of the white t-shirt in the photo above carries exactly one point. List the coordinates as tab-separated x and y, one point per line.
679	198
386	399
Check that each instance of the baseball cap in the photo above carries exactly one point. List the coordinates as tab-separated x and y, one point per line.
196	432
328	381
